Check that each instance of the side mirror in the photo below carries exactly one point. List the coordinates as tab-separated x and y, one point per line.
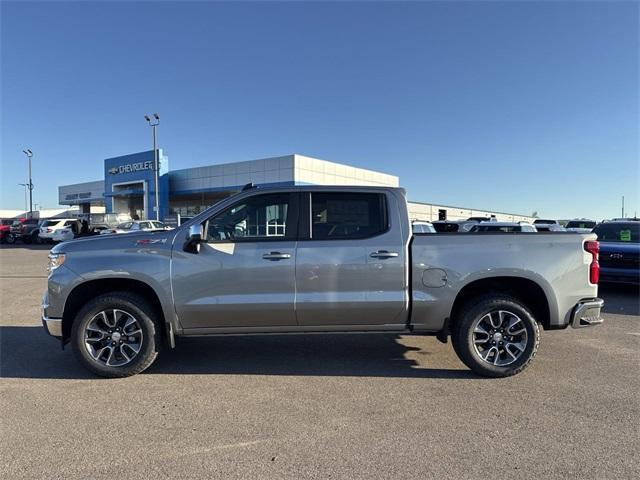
195	233
194	238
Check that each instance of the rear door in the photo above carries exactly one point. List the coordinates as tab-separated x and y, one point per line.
350	268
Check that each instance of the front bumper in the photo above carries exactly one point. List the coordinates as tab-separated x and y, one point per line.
53	326
587	313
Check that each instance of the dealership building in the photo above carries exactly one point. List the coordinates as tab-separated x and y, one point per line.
129	186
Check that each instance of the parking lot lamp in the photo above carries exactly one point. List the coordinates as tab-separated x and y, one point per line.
156	166
29	154
25	185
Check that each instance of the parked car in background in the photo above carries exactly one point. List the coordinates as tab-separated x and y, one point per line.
552	227
48	227
135	226
422	227
542	221
63	234
5	228
446	226
619	251
580	225
504	227
25	229
107	221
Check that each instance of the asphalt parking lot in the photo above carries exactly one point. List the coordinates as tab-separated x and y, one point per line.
334	406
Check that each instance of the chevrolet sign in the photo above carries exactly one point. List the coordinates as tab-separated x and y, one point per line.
132	167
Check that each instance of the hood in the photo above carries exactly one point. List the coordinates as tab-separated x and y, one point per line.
116	241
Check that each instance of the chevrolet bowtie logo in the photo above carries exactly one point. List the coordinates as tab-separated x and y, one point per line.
113	171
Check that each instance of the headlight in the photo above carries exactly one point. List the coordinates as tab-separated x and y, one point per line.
55	260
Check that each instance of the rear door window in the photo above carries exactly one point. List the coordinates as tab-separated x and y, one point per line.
343	215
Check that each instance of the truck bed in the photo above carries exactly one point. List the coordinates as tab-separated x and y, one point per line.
442	265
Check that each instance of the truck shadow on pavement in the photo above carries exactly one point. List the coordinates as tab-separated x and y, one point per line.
27	352
620	299
26	246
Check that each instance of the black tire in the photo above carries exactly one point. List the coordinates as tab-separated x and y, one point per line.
462	336
147	319
35	238
26	239
11	239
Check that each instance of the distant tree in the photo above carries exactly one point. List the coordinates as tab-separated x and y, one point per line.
535	214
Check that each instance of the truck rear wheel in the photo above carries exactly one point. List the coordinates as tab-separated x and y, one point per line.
114	335
495	336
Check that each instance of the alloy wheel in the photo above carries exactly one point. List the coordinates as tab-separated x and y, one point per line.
499	337
113	337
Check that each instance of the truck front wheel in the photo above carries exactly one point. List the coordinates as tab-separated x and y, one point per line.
495	336
114	335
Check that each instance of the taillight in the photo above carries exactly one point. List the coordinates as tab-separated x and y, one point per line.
49	230
593	247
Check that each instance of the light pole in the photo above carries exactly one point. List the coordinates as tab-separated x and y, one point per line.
29	154
25	185
156	166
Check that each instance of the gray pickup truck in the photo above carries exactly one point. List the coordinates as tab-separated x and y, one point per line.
317	259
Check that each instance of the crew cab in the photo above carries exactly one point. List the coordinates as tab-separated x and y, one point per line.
311	259
25	229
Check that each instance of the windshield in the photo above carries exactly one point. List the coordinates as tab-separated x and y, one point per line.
541	220
581	224
628	232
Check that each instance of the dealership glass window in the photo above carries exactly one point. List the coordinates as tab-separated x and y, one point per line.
337	216
256	218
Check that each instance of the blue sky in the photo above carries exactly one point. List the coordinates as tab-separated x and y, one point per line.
512	106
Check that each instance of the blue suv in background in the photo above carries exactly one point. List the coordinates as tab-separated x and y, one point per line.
619	251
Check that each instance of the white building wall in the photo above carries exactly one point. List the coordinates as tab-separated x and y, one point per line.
81	193
429	213
232	175
296	168
322	172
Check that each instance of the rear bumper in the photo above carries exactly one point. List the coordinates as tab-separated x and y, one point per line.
587	313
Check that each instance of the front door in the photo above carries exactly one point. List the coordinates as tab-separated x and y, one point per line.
351	266
244	274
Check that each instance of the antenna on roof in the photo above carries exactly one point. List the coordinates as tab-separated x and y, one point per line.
248	186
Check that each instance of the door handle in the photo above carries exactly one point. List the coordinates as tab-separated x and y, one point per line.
383	254
276	256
